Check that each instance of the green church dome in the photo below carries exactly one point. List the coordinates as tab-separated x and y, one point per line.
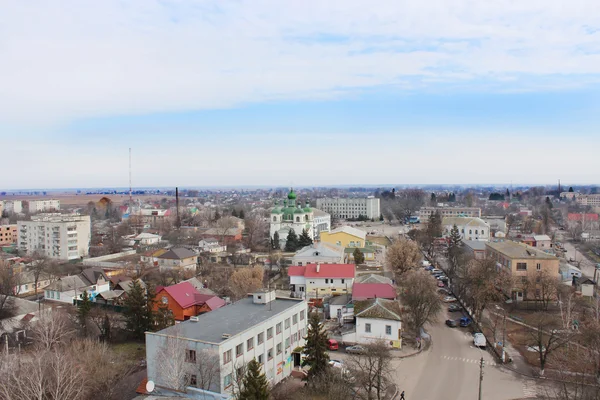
292	195
298	211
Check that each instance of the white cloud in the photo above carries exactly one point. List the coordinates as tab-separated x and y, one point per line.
68	59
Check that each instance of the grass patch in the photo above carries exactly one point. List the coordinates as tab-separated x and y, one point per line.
130	350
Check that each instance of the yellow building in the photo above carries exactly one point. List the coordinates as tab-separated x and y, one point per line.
349	238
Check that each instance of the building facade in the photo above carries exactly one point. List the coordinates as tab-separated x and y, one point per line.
319	252
425	212
350	208
261	327
37	206
321	279
470	228
522	262
321	222
8	234
11	206
293	216
57	236
345	236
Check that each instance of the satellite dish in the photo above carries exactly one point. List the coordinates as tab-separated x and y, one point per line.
149	386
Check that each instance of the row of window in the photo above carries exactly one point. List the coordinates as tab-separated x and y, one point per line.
388	329
260	338
522	266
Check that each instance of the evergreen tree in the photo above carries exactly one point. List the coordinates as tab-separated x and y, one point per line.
106	328
136	311
254	384
276	241
83	310
454	246
507	195
549	202
242	214
304	240
315	348
234	213
452	198
381	217
359	257
433	199
217	215
571	189
163	318
291	243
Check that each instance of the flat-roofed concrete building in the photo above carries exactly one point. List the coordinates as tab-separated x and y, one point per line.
425	212
350	208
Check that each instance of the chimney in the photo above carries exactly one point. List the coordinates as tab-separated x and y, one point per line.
318	267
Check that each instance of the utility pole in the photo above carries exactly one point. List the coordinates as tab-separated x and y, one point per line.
481	377
504	337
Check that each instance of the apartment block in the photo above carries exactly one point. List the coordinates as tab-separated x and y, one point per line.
522	261
37	206
8	234
425	212
58	236
11	206
261	326
345	208
582	199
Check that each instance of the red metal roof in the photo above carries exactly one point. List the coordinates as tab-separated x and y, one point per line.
365	291
186	295
579	217
325	271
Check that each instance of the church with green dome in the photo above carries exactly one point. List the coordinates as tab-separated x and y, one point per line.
292	215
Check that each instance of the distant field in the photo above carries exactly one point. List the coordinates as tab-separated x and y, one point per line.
82	199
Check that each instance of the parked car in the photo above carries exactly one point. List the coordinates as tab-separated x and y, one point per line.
440	284
355	349
443	291
429	268
449	299
479	340
441	278
436	271
465	321
451	323
426	263
332	344
336	363
454	308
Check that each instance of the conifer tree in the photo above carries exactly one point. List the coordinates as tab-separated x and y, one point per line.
304	240
254	384
359	257
315	348
242	215
83	310
454	246
136	313
276	241
291	243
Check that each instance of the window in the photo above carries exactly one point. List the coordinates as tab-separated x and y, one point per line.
190	356
476	232
470	231
278	328
537	293
227	381
239	350
261	337
287	343
193	380
299	263
295	319
270	354
287	323
326	280
538	266
482	232
343	281
388	329
226	356
249	344
368	328
260	358
521	266
278	348
25	287
301	315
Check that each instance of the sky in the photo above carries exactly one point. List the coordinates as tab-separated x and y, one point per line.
305	93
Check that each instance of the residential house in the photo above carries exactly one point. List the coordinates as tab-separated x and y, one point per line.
341	308
184	301
178	258
475	248
543	242
151	256
368	253
345	236
366	291
15	330
470	228
586	287
377	319
147	239
522	261
211	245
200	286
119	291
225	236
26	283
322	253
322	279
260	327
69	288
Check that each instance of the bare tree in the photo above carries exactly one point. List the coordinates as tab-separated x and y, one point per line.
511	220
64	377
224	226
546	338
418	294
207	369
172	361
331	385
257	231
9	286
402	256
246	280
53	329
371	370
543	285
40	266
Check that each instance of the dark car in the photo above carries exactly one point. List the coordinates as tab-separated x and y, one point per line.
465	321
454	308
451	323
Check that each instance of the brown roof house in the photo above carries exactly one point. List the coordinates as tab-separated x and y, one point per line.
178	258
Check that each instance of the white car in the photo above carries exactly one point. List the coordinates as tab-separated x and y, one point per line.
479	340
426	263
449	299
436	271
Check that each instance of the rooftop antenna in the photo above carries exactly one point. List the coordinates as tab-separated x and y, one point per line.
177	221
130	195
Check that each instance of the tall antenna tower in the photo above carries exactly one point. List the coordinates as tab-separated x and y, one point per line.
130	195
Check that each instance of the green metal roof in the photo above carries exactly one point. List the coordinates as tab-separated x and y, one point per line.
361	249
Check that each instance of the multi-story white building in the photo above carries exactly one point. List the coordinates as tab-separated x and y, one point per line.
469	228
36	206
57	236
11	206
582	199
261	327
321	222
425	212
346	208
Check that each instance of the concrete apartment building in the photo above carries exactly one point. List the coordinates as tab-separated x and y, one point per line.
58	236
582	199
469	228
522	261
11	206
345	208
260	326
37	206
8	234
425	212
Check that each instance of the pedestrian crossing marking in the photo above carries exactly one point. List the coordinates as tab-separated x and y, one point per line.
468	360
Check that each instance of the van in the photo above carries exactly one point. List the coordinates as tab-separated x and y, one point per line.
479	340
332	345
